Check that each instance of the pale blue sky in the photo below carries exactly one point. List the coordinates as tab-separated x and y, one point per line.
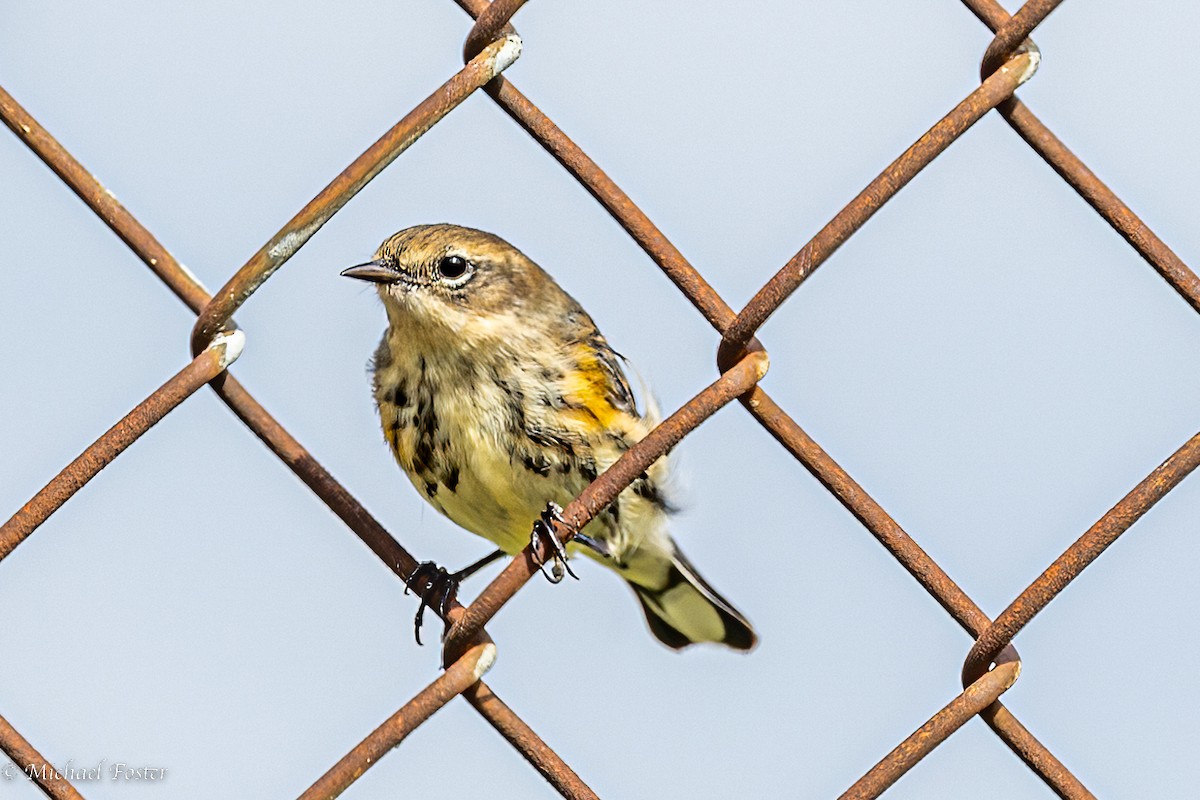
987	358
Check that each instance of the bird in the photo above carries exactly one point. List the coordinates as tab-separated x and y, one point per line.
501	401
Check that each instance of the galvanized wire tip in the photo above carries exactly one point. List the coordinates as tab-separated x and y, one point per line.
229	345
487	657
508	52
493	21
762	363
1026	58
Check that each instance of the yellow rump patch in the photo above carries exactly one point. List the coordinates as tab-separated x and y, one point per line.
588	387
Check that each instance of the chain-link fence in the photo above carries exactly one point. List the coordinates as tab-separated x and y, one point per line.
991	667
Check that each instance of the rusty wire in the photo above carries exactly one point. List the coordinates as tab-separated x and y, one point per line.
26	757
992	665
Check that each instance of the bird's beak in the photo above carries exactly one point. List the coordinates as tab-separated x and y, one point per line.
375	272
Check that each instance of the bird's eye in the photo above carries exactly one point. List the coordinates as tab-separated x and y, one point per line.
453	267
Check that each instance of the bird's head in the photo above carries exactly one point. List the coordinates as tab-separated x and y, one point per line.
447	276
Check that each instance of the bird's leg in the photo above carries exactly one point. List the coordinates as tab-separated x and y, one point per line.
594	545
471	569
440	586
543	528
429	575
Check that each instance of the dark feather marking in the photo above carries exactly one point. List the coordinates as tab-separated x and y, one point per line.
619	394
516	401
648	490
398	396
426	427
426	423
537	464
550	439
619	440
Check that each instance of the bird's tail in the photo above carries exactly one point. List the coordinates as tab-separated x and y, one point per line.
685	610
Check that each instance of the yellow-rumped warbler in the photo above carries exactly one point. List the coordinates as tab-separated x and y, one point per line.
498	395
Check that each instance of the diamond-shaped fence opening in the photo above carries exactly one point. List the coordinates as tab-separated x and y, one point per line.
992	665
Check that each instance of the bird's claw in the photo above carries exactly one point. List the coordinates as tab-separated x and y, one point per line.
543	528
439	586
594	545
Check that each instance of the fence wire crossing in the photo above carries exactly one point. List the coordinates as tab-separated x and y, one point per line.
991	666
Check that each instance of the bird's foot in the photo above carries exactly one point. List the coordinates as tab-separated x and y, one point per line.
439	587
543	528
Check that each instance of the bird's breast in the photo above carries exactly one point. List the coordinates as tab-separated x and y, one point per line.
460	428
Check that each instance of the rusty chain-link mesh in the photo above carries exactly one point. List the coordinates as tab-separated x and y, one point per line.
992	665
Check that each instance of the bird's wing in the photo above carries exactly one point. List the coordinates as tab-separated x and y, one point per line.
596	386
616	386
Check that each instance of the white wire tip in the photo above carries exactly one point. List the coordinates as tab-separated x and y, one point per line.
229	345
508	52
1034	55
486	659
